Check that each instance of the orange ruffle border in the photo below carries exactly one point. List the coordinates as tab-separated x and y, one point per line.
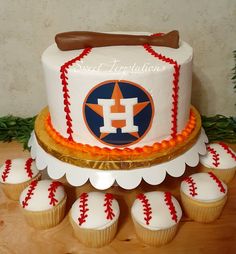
156	147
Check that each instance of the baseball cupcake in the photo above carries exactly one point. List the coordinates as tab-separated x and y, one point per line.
94	218
43	203
156	216
203	196
221	160
16	175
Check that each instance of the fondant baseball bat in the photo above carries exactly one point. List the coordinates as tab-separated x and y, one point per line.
80	40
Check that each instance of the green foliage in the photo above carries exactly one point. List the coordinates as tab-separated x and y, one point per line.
220	128
16	128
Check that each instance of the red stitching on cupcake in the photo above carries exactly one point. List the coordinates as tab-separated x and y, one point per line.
83	208
171	206
175	87
192	186
215	156
147	210
30	193
65	91
6	171
227	149
52	191
28	168
108	204
217	180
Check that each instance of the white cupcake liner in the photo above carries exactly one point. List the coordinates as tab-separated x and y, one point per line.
204	212
93	237
46	219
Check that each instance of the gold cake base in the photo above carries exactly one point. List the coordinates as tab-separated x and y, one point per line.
99	161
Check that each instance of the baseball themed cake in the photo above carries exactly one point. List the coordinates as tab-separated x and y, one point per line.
16	175
119	104
221	160
94	218
117	101
43	203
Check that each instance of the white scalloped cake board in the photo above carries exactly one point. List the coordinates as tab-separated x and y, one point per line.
102	180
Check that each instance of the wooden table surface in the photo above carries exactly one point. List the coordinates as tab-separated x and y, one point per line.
17	237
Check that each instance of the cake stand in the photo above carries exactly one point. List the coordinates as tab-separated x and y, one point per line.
127	179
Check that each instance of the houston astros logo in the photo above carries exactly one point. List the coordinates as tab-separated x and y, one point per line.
118	113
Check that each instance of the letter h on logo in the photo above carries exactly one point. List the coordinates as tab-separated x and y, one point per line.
128	115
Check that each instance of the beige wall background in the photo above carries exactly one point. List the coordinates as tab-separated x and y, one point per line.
27	27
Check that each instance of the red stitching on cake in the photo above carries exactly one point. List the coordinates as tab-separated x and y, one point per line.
83	205
217	180
192	186
215	156
171	206
52	191
227	149
30	193
28	168
175	87
65	91
147	210
108	204
6	170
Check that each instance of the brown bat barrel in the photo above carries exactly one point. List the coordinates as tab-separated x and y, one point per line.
80	40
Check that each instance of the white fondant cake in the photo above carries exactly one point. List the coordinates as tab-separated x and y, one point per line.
95	210
18	171
219	156
204	187
42	195
119	96
156	210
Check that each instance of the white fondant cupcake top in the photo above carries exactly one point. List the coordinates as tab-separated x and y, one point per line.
18	171
204	187
156	210
219	156
42	195
95	210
